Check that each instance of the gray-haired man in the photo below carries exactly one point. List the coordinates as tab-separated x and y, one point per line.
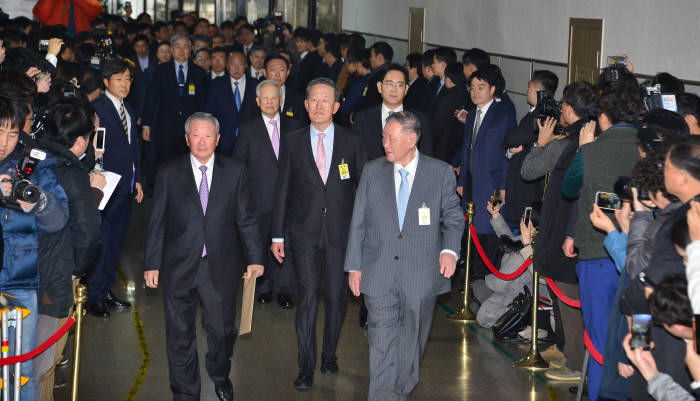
192	251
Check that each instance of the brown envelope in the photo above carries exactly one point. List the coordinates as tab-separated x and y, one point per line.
247	301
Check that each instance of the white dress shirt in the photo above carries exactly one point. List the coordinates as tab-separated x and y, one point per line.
215	75
268	125
184	69
385	113
302	55
246	48
241	86
257	74
198	173
282	93
117	105
483	109
143	62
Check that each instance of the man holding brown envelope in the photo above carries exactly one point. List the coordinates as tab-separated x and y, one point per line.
200	211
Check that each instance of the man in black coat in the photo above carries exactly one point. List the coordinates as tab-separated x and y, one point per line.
258	148
276	68
178	89
380	57
309	62
416	81
369	123
200	214
320	168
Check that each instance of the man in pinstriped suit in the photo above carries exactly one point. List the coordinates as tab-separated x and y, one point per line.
402	249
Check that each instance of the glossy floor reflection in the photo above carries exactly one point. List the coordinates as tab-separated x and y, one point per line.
461	361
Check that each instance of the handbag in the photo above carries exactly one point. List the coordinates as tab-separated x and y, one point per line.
515	319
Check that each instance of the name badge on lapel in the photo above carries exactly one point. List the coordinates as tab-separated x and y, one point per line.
190	89
364	92
289	113
344	170
423	215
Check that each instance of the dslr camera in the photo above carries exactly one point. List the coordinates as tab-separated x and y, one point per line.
547	106
623	189
22	188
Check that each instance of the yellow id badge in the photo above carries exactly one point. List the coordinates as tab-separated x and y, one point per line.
190	89
289	113
343	170
423	215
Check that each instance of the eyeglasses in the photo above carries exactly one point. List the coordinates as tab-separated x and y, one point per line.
391	84
120	80
479	88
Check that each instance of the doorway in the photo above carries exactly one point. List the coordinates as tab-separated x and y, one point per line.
416	21
585	42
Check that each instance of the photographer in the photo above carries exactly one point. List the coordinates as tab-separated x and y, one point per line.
19	276
72	251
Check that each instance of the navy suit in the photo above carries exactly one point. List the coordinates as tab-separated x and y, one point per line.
222	104
123	158
166	110
490	166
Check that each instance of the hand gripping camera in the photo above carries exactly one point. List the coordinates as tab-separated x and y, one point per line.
22	189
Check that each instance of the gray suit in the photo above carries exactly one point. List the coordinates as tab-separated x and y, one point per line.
400	268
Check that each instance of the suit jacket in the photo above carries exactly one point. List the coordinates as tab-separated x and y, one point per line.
448	132
490	163
368	125
254	150
120	156
305	71
383	252
222	104
317	213
167	111
414	96
370	94
178	229
294	108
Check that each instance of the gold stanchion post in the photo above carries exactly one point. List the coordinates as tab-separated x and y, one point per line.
533	360
466	314
80	299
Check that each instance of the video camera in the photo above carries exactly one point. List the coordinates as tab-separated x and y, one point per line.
547	106
22	188
261	24
654	99
104	48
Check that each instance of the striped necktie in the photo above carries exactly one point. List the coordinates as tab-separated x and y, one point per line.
122	116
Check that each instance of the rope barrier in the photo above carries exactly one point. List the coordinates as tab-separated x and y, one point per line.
591	348
488	263
43	347
571	302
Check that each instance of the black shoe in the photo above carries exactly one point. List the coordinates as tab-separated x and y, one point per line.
64	362
305	380
60	383
265	298
363	316
329	367
284	301
114	302
98	309
224	391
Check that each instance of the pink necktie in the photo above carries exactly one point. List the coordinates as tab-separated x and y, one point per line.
275	138
321	157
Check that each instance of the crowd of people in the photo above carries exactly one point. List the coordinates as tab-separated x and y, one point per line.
273	148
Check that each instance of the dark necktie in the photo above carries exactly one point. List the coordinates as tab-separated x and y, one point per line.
477	125
181	80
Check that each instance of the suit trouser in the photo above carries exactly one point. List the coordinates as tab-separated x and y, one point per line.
115	221
572	323
218	321
398	332
320	264
279	277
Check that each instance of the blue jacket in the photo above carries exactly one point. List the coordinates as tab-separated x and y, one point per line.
490	164
20	269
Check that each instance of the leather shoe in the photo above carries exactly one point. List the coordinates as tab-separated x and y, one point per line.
284	301
111	300
265	298
224	391
305	380
329	366
98	309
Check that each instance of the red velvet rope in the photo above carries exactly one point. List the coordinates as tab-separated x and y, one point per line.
571	302
591	348
488	263
33	353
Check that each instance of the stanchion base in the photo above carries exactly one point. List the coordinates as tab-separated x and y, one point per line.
465	315
532	361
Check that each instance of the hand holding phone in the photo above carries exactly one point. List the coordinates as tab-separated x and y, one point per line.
100	139
608	201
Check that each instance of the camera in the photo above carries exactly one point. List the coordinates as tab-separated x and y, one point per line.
22	188
623	189
654	99
43	45
547	106
104	48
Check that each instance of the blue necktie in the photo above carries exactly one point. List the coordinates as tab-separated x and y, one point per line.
181	80
402	199
237	97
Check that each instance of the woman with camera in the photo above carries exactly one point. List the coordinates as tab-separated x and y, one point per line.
69	253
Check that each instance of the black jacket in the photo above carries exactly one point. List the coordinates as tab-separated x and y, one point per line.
447	130
73	250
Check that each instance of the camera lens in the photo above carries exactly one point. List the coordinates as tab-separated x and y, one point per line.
27	192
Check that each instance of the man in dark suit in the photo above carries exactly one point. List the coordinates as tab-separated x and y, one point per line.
276	68
402	249
442	57
484	166
370	123
143	59
258	148
416	81
200	213
122	156
380	56
178	89
232	101
320	166
309	62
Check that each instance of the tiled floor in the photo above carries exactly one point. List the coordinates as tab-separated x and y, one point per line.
461	362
